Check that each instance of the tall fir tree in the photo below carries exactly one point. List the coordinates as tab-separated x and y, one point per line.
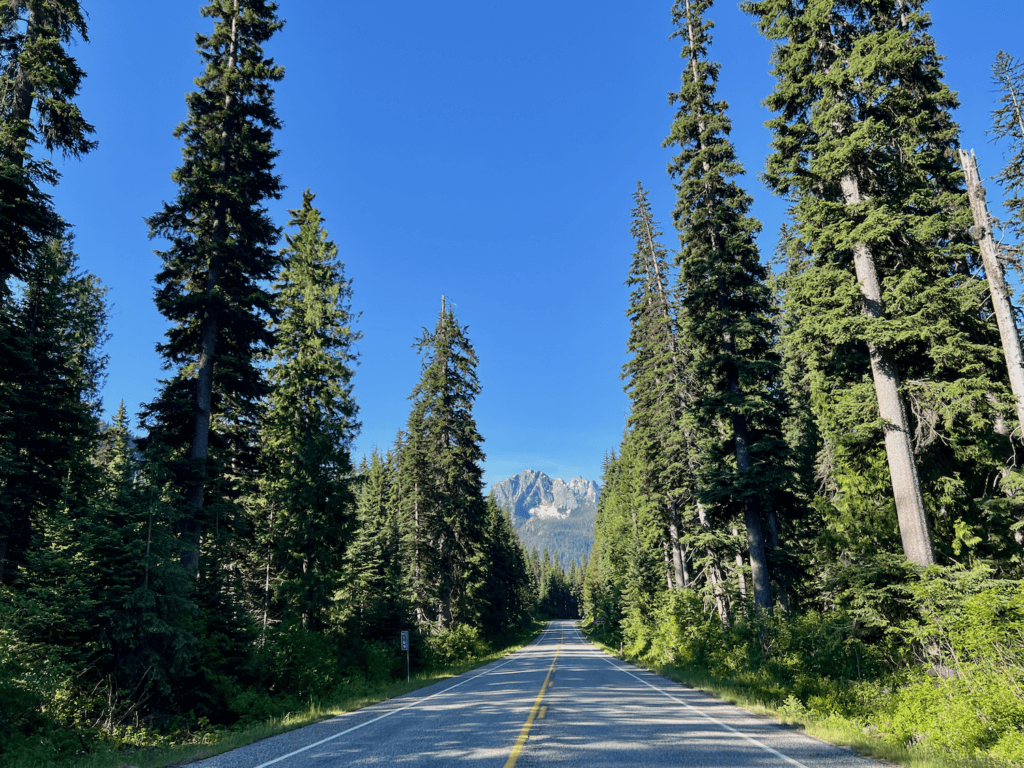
139	642
52	421
39	81
725	305
507	589
444	510
898	353
610	553
213	284
311	421
374	595
643	575
656	381
49	594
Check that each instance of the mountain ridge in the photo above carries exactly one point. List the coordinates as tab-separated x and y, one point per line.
550	512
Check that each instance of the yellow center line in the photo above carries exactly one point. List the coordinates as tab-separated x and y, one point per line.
543	711
525	733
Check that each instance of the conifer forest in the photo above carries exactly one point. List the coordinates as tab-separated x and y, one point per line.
819	490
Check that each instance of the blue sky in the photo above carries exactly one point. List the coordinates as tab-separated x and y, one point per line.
484	151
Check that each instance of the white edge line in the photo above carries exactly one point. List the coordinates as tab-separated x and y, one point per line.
719	723
396	711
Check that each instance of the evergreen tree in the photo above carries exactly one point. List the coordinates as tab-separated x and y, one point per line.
899	357
444	511
414	486
311	422
545	577
643	578
800	427
627	576
602	588
39	81
661	400
52	404
137	596
212	287
535	566
726	308
38	84
508	586
374	593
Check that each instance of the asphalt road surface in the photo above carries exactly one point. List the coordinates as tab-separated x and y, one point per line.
558	702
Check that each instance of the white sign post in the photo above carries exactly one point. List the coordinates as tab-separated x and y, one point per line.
405	647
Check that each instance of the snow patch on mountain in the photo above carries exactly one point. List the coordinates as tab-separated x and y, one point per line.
548	510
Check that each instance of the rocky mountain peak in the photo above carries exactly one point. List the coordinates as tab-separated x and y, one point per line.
550	512
584	489
534	494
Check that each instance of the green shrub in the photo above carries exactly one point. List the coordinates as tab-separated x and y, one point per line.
257	704
959	716
793	710
1011	747
306	664
382	662
683	633
456	645
948	675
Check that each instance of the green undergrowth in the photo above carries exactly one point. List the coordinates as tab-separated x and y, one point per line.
151	749
952	700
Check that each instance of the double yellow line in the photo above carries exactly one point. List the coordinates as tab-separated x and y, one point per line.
525	733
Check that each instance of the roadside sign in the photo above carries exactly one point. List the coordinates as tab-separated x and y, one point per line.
405	647
600	621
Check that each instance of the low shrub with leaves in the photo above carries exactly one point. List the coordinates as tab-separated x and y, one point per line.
936	664
458	644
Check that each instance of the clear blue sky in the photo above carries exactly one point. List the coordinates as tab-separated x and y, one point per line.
486	151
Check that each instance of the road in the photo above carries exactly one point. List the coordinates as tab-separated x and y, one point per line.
557	702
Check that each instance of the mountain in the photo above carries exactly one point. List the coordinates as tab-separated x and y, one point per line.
551	512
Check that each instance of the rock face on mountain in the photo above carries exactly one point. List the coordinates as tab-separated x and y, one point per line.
551	512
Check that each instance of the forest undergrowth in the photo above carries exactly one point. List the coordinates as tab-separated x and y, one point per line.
257	714
940	687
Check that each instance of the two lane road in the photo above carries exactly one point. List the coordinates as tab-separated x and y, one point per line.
557	702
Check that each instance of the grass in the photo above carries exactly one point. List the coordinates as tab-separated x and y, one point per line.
837	730
204	744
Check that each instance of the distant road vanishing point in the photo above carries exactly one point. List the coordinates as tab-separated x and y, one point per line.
559	701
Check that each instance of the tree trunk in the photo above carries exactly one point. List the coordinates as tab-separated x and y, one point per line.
668	566
21	104
418	596
190	526
740	580
149	540
1001	305
773	530
714	574
678	559
906	487
744	464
